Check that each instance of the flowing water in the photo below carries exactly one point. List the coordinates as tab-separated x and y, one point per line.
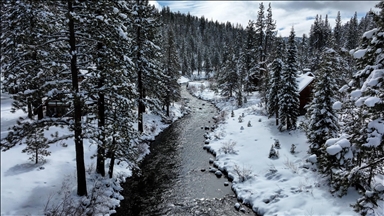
171	180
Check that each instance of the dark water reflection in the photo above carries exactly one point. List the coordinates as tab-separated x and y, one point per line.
172	182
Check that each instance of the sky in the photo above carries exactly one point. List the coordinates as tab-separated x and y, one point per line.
299	14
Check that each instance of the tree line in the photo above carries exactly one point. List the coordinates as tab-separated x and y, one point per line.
104	62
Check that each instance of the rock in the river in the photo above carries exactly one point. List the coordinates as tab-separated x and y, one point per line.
242	209
212	170
211	160
218	173
237	206
206	141
226	183
202	169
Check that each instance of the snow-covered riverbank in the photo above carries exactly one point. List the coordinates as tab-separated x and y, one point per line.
26	188
287	185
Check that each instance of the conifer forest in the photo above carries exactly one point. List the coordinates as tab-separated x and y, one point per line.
83	73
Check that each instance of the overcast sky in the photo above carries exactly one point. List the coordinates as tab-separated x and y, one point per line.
299	14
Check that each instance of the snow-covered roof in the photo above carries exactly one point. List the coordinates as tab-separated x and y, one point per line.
304	80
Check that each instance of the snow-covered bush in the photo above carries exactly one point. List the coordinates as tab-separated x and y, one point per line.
243	173
293	147
240	119
228	147
221	117
273	153
277	144
249	124
232	114
367	204
291	165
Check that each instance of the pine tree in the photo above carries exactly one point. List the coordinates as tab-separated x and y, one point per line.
260	32
289	96
352	36
171	67
323	122
270	32
37	146
303	53
146	57
228	78
275	83
337	32
362	114
250	53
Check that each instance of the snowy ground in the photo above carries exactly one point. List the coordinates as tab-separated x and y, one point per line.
283	186
26	187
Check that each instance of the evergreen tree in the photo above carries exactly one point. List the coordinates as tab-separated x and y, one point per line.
260	33
37	146
275	83
146	57
362	114
323	122
352	35
171	67
303	52
250	53
337	31
228	78
289	96
270	32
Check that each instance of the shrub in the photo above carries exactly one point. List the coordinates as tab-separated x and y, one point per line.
228	147
293	147
277	144
249	124
243	173
273	153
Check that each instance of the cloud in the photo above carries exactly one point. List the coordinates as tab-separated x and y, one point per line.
286	13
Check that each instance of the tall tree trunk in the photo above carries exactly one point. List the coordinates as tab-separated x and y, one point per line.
168	104
277	116
141	108
112	162
30	109
100	166
37	155
80	167
40	113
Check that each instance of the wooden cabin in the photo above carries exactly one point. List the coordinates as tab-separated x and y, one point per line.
56	108
305	85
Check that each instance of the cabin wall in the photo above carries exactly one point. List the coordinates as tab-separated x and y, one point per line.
305	98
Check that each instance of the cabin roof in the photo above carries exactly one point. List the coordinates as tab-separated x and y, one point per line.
304	80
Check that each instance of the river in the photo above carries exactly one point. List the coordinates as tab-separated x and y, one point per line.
171	180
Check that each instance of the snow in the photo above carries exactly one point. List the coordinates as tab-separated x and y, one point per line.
337	105
369	34
356	93
279	186
27	187
304	80
312	158
182	79
371	101
359	53
344	143
334	149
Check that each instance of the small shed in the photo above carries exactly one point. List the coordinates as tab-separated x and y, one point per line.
305	84
56	108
